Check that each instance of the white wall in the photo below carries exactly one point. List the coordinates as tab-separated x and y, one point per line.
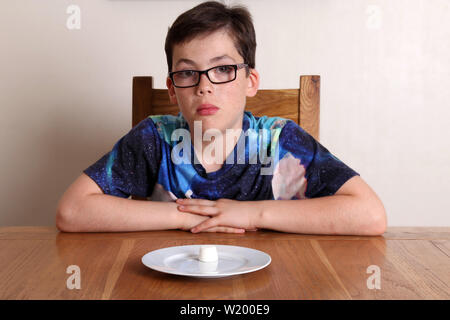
65	95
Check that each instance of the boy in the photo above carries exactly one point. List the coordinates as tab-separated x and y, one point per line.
202	184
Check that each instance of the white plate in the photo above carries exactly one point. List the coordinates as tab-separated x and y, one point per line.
183	261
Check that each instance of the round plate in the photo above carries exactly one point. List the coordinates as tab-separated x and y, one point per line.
183	261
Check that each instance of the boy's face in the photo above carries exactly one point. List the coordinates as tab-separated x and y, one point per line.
230	98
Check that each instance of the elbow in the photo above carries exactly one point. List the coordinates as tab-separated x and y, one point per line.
378	221
380	225
63	220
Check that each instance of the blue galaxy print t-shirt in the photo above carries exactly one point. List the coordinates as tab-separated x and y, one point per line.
274	159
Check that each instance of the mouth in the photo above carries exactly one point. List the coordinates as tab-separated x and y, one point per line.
207	109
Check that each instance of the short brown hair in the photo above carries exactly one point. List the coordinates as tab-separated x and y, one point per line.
209	17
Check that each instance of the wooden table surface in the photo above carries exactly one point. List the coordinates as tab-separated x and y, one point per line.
414	263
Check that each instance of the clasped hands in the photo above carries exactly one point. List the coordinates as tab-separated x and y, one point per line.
223	215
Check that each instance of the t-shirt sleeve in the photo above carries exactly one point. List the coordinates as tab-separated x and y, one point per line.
317	171
131	167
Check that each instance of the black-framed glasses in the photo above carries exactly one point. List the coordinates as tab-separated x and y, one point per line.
217	75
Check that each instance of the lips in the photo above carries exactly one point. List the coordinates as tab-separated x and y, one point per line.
207	109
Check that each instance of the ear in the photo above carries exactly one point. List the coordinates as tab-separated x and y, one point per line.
253	83
172	95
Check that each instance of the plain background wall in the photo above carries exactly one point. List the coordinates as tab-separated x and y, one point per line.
65	95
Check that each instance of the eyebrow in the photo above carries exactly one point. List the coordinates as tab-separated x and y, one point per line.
187	61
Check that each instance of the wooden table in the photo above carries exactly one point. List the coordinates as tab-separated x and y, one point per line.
414	263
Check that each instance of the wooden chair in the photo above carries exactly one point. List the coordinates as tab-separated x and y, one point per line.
301	105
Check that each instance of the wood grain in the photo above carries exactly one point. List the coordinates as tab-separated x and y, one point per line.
116	269
309	110
50	232
36	269
351	259
422	264
34	260
142	102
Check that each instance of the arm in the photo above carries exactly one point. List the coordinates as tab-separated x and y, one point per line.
353	210
84	208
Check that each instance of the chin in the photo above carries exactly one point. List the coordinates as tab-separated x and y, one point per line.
209	124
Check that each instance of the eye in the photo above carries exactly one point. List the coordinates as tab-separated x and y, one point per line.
224	69
185	74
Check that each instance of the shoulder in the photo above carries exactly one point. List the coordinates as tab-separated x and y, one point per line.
163	125
265	122
168	120
278	128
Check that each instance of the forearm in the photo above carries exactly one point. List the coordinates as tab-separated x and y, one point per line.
337	214
106	213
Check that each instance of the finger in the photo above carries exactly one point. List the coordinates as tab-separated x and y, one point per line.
230	230
207	224
201	202
202	210
214	222
225	230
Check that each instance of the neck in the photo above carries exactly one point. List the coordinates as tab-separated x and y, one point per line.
214	146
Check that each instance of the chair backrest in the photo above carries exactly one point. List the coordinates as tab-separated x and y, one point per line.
300	105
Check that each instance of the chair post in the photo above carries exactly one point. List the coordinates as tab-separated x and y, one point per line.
142	98
309	105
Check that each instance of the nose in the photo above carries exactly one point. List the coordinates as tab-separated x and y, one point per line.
204	86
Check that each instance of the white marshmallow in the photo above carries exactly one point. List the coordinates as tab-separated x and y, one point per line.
208	254
208	267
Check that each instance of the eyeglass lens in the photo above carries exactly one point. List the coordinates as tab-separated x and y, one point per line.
216	75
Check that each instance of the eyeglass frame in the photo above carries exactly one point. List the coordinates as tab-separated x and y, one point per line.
236	68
